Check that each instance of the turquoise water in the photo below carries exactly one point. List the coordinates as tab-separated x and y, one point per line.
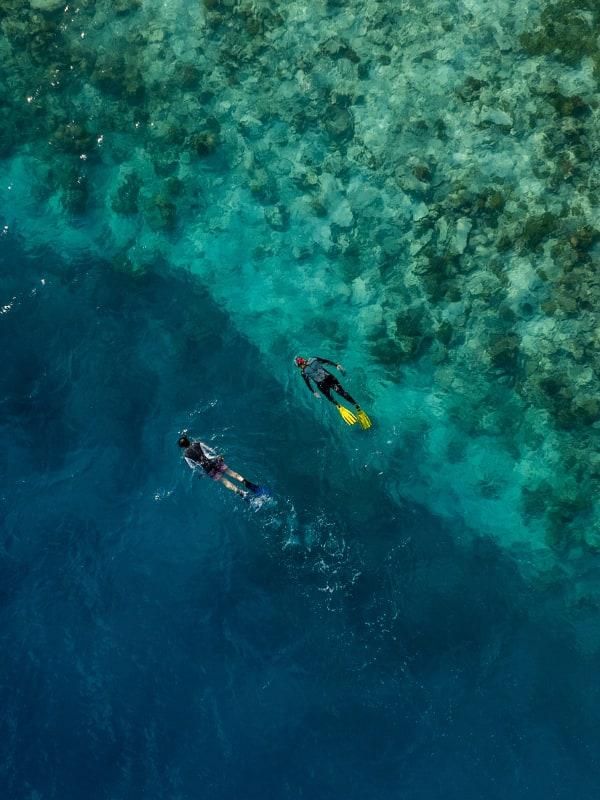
192	193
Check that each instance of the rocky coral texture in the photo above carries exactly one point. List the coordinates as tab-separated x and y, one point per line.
410	187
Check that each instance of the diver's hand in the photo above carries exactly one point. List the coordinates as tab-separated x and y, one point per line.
317	395
341	369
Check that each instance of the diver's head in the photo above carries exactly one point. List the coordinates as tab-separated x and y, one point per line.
183	441
300	362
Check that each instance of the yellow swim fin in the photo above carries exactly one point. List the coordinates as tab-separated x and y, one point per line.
364	420
346	415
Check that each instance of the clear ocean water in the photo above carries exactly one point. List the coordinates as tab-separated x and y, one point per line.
191	193
162	640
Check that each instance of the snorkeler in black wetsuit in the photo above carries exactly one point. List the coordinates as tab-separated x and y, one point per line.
199	454
311	370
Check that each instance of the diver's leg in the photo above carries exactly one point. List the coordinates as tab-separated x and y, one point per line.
325	388
248	484
234	474
337	387
232	488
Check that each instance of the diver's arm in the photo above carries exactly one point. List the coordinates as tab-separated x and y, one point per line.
307	382
333	364
325	361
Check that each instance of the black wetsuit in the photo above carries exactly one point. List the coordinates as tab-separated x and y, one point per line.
324	380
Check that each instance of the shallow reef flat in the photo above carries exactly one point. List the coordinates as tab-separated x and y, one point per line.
410	185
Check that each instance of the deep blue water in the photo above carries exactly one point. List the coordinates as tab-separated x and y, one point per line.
158	639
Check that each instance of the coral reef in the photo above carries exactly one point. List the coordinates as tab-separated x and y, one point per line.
417	189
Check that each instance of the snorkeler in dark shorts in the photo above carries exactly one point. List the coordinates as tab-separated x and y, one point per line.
200	455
